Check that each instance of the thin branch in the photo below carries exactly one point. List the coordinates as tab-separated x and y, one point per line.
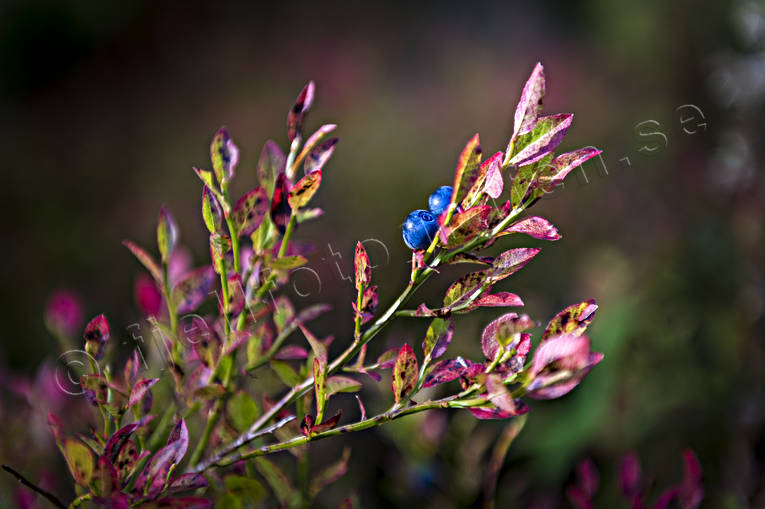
23	480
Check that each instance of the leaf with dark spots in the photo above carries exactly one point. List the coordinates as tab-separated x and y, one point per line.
444	371
220	245
491	412
306	425
302	192
249	211
280	208
187	482
146	260
236	299
291	352
510	262
468	169
465	288
180	435
96	336
572	320
105	480
318	157
530	104
553	174
224	156
130	371
499	299
79	459
296	115
362	267
139	390
464	226
438	337
369	302
127	458
546	135
471	258
192	289
494	183
404	374
116	442
270	164
95	388
536	227
478	189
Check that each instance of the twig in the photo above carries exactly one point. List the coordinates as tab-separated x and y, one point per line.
23	480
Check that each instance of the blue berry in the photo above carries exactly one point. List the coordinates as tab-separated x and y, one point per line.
440	199
419	229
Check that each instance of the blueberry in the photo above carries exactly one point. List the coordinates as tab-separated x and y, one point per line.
419	229
440	199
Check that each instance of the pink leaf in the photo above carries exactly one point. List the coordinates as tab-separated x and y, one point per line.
536	227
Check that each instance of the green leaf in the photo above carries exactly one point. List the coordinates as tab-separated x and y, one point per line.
167	234
247	489
362	268
145	259
302	192
468	169
286	373
192	289
524	179
547	134
319	349
224	156
265	236
228	501
276	479
249	211
319	156
404	374
242	411
319	377
208	392
219	246
552	175
212	214
270	164
464	226
464	289
284	313
287	262
438	337
79	459
339	383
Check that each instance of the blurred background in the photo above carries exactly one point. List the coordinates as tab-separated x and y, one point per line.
104	109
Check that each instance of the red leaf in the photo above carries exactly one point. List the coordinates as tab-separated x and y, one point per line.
536	227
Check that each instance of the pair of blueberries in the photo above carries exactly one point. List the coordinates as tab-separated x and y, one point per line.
421	226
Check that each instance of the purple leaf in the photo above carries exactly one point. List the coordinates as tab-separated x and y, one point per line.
297	113
542	139
105	477
139	390
404	374
270	164
318	157
464	226
536	227
478	189
192	289
530	105
631	476
494	183
588	477
311	144
180	436
369	302
249	211
505	326
291	352
499	299
146	260
387	359
443	371
510	262
187	482
499	395
552	175
492	412
438	337
559	365
96	336
312	312
691	489
361	408
224	156
116	442
573	320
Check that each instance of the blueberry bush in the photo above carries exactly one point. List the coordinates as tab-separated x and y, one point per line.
204	435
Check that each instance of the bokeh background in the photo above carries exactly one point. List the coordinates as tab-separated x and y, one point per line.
104	109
